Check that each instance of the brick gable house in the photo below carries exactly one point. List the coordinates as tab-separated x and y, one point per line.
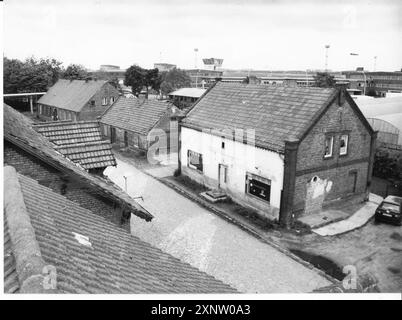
130	122
76	100
310	147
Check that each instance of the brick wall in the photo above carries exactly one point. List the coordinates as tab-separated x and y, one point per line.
90	112
335	176
30	166
136	141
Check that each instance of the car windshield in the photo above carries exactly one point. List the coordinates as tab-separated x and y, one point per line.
390	206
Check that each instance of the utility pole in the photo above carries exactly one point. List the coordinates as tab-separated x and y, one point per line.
326	57
375	62
195	57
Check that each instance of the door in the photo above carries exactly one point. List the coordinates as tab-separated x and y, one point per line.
112	135
126	139
223	175
352	181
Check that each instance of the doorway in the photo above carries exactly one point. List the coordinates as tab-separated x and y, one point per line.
352	181
126	139
112	135
223	175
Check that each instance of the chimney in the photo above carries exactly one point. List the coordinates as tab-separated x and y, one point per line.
341	94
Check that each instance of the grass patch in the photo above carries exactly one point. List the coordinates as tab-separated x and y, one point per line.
190	184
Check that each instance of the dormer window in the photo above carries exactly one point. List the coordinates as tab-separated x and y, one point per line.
329	145
111	100
104	101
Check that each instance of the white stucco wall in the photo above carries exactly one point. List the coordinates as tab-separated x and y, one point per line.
239	158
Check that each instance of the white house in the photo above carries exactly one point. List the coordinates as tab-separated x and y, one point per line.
283	151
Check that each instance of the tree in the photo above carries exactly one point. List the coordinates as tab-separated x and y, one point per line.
31	75
173	80
138	79
152	80
75	72
324	80
135	78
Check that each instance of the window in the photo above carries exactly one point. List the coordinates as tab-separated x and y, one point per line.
343	147
111	100
104	101
136	140
194	160
329	144
223	144
258	186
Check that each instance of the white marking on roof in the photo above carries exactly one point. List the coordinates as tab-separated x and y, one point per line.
82	239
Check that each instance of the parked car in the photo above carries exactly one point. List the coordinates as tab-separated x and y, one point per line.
390	210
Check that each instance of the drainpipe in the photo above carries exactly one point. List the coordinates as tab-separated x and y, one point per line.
289	180
373	143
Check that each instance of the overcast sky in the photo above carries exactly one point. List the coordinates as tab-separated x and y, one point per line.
275	35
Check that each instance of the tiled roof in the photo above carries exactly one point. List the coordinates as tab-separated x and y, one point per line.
11	284
276	114
136	115
92	255
81	142
19	131
188	92
71	94
64	133
90	155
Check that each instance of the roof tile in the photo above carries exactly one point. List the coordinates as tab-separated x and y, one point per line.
276	113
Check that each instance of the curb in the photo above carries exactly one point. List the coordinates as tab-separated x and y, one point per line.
249	230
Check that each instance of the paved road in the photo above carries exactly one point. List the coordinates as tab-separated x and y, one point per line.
194	235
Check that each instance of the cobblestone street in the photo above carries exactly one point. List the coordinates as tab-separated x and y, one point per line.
194	235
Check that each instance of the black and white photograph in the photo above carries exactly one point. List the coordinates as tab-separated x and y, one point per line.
205	150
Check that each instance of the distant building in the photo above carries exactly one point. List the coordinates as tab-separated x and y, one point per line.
212	63
76	100
109	72
387	132
203	78
164	67
388	109
378	82
109	67
129	121
310	147
185	97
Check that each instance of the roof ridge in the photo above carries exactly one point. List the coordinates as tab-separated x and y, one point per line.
30	266
82	144
63	123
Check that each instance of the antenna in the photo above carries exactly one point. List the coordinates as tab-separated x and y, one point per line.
326	57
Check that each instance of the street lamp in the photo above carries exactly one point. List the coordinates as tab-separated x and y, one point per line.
326	57
126	176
